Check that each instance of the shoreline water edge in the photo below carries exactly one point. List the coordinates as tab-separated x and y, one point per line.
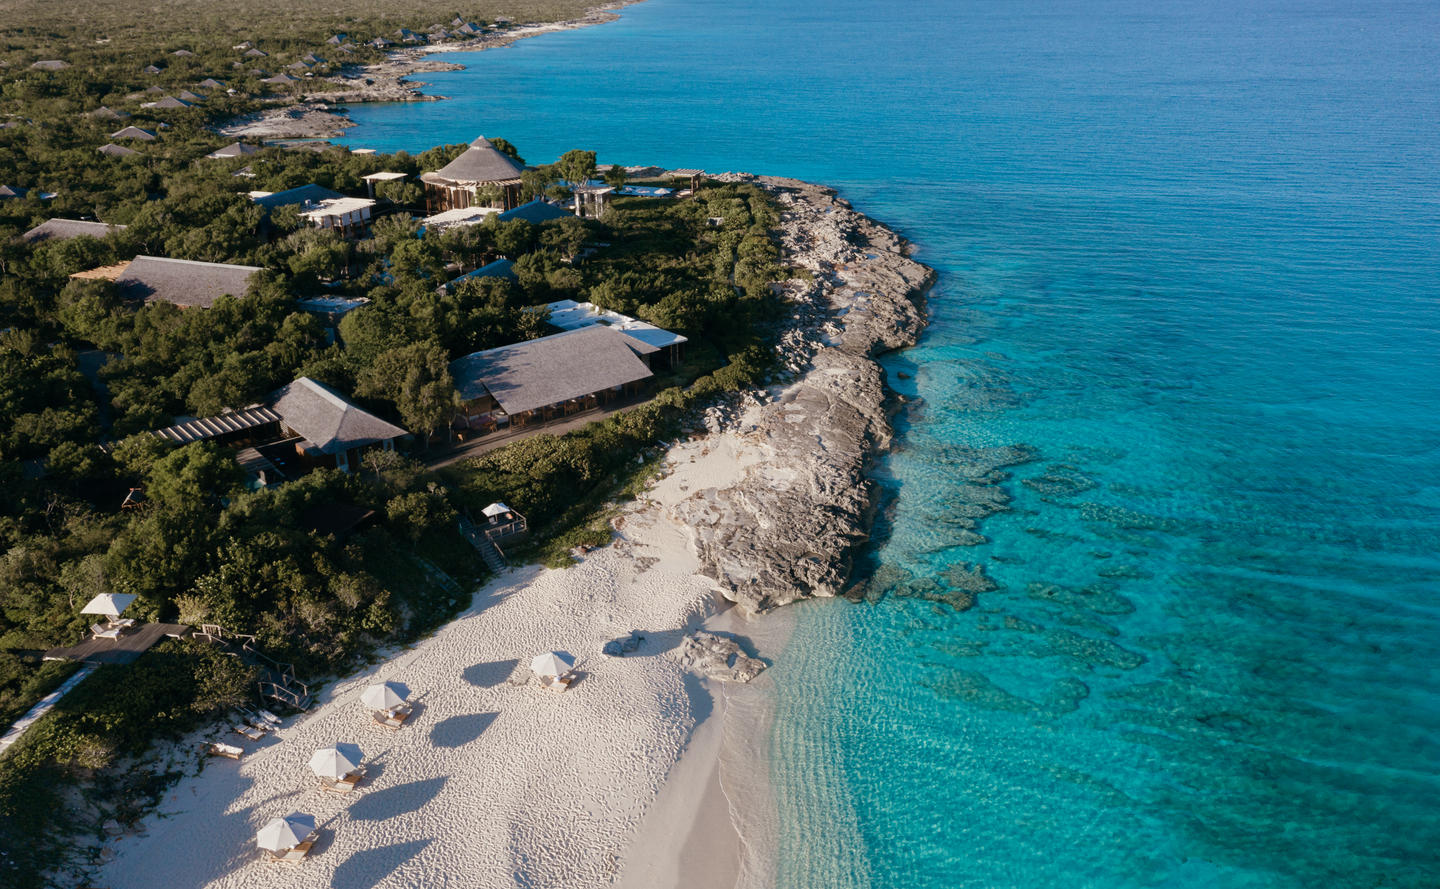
653	770
316	116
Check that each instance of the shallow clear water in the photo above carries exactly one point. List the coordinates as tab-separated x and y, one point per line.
1190	272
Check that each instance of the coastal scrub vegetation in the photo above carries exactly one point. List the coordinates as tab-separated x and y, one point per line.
86	376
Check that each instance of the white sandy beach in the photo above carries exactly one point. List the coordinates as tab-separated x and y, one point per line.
492	783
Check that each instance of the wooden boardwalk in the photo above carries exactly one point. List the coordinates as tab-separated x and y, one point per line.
124	650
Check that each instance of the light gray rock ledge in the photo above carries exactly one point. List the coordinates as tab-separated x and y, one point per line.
790	531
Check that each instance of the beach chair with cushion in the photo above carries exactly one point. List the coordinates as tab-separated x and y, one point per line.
253	734
229	751
270	718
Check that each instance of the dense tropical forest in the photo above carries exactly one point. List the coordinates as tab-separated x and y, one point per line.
86	375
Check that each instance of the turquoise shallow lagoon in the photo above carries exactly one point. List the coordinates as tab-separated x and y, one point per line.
1178	399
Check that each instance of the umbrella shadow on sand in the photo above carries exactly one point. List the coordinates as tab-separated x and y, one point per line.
490	673
381	805
457	731
366	869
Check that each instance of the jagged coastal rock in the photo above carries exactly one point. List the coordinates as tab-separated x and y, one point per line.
789	528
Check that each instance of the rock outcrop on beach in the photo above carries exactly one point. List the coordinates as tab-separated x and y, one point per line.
790	527
716	657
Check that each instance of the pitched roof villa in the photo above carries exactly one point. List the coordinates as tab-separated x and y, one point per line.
549	372
301	426
457	184
65	229
329	423
185	283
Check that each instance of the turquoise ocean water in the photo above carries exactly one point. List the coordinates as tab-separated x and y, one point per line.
1190	276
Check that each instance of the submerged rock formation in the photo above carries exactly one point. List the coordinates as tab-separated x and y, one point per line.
789	528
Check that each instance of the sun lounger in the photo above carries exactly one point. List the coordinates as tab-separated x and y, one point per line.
343	785
103	632
270	718
215	748
291	855
392	722
253	734
558	684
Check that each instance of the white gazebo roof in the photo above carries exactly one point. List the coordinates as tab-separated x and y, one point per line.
495	509
383	176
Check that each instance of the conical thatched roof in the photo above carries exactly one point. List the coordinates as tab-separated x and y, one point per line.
480	164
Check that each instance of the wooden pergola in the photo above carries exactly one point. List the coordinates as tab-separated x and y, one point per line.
693	175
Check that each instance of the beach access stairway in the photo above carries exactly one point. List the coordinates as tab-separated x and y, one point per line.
277	681
489	550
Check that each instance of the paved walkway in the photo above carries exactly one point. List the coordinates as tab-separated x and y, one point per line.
454	453
40	709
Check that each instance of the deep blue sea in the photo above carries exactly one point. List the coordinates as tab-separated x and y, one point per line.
1190	273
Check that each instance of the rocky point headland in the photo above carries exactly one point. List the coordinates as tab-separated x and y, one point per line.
790	527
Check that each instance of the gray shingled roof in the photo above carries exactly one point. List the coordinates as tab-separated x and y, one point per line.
113	150
304	194
327	420
65	229
533	374
104	112
133	133
212	83
51	65
13	191
234	149
537	211
481	162
182	281
172	102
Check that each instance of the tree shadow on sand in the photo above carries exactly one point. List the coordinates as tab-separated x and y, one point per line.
381	805
457	731
366	869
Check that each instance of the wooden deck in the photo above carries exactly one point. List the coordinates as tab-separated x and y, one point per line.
124	650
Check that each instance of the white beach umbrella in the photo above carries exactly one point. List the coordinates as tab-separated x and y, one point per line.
285	833
552	663
385	696
110	604
336	762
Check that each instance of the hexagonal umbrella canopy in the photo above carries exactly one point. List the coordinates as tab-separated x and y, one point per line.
552	663
282	834
384	696
336	762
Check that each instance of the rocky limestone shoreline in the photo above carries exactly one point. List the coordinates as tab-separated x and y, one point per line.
790	528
